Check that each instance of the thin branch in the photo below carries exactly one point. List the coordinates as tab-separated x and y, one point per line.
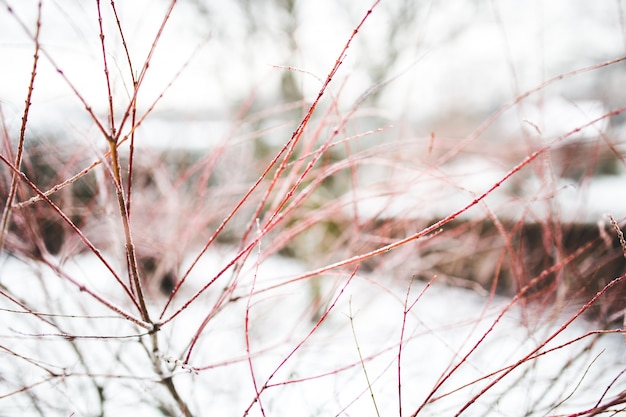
6	213
71	224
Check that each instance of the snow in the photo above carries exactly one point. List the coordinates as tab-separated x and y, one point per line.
442	325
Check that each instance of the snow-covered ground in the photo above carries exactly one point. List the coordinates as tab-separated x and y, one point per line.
305	370
386	342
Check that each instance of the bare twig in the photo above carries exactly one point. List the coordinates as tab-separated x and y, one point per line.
6	213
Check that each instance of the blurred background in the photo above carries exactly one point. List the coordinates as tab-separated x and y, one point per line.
447	96
440	66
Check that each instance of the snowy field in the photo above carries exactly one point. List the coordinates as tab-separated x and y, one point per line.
382	344
462	93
